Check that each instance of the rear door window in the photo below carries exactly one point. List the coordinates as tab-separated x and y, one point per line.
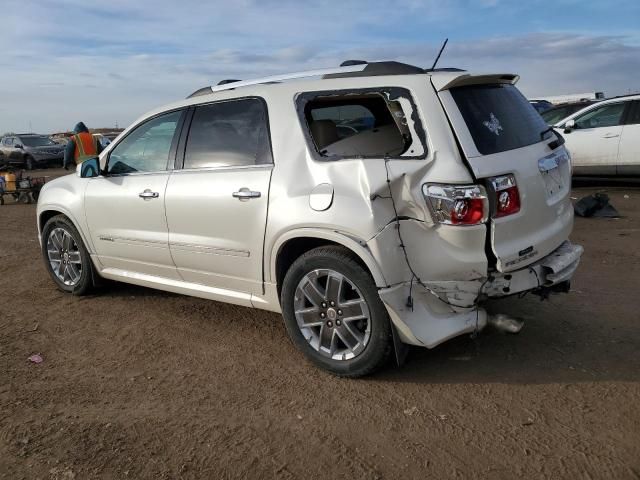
231	133
499	117
634	115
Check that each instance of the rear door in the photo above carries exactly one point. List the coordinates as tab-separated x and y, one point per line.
217	204
629	148
593	142
502	134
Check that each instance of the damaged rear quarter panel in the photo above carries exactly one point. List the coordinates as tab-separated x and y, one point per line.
361	205
441	255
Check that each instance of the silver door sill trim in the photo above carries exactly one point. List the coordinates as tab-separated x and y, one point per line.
176	286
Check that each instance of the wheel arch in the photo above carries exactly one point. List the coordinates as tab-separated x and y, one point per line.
295	243
48	213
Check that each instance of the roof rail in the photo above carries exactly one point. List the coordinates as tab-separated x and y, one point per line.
278	78
348	63
372	69
228	80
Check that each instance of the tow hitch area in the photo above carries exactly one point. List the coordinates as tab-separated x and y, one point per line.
548	275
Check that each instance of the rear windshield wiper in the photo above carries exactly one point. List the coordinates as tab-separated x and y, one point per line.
555	143
544	132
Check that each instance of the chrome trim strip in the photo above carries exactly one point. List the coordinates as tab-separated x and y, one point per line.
205	249
225	168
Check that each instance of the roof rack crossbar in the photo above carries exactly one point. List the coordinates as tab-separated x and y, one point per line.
288	76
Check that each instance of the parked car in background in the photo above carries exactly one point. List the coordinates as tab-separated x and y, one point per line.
444	189
60	139
31	150
575	97
541	105
562	111
604	138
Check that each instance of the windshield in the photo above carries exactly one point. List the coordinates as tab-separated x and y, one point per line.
33	141
553	116
499	117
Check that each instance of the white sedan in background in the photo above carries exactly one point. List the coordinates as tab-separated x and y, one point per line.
604	138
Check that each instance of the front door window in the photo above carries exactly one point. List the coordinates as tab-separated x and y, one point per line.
605	116
147	148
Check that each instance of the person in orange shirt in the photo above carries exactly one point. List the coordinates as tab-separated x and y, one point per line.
81	146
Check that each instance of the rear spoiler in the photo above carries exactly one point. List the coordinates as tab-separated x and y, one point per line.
444	82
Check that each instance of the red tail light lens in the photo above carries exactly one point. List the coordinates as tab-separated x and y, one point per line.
507	196
467	211
457	204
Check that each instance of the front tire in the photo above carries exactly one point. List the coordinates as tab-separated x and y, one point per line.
65	256
333	312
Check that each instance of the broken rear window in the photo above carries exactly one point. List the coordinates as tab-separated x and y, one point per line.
362	124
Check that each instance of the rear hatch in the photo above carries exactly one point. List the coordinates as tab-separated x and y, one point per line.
503	139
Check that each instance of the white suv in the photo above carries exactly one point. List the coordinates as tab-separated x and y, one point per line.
374	205
604	138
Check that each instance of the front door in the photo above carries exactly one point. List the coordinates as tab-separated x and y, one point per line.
593	143
217	204
125	207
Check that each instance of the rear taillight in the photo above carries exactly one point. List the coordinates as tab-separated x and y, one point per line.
457	204
506	196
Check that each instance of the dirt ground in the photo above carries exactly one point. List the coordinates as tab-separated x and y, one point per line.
137	383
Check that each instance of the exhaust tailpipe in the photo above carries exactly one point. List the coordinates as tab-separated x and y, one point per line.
505	323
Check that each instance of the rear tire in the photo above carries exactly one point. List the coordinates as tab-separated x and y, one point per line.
333	313
65	256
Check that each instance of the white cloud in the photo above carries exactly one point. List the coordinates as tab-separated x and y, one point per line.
111	61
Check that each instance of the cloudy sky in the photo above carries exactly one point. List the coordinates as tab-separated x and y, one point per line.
106	62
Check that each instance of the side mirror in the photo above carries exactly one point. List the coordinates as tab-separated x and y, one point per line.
17	145
90	168
569	126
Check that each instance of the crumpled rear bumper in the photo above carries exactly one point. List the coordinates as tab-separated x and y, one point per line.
448	309
557	267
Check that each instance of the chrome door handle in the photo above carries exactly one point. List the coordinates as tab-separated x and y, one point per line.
611	135
245	194
147	194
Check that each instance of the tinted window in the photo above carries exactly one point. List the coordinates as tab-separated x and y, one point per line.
37	141
554	115
605	116
225	134
145	149
634	118
499	118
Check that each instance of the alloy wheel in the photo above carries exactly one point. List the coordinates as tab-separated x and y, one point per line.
332	314
64	256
